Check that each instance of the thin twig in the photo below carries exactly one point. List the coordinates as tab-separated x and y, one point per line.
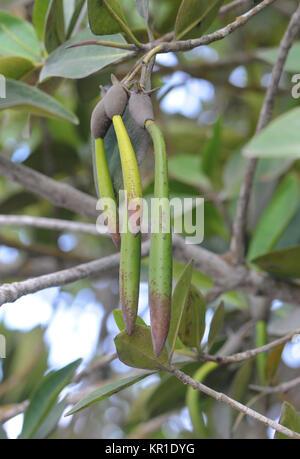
8	412
251	352
11	292
284	387
186	45
220	397
60	194
237	247
54	224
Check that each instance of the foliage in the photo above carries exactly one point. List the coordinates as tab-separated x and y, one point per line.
208	107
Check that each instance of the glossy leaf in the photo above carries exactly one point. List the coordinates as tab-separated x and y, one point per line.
195	16
187	168
79	7
51	421
82	61
15	67
289	418
119	319
272	362
20	96
18	38
54	34
104	15
164	14
211	153
39	16
280	139
275	218
216	325
106	391
192	326
198	279
283	262
179	303
45	397
137	351
240	384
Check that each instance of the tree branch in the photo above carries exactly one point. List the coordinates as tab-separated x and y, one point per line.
54	224
251	352
11	292
60	194
284	387
237	247
186	45
220	397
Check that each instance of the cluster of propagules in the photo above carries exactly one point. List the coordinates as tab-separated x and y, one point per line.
110	110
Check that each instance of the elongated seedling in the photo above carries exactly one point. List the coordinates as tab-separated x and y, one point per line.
131	236
131	175
106	191
100	124
160	264
129	280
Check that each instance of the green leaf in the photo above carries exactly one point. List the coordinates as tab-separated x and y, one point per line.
20	96
137	351
195	16
273	361
216	325
198	279
79	5
275	218
54	26
51	421
18	38
39	17
270	55
119	319
164	14
179	302
143	8
289	418
192	326
82	61
45	397
106	392
102	22
107	17
240	383
187	168
15	67
283	262
280	139
211	153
